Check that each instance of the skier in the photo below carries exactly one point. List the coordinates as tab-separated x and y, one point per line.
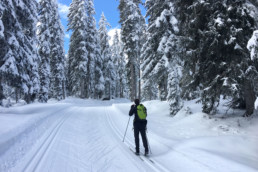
139	124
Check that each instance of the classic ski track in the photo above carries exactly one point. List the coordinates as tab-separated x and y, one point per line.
150	162
42	150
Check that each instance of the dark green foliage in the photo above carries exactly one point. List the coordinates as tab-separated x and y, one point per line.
216	35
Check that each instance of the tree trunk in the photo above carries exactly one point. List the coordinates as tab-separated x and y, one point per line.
1	94
133	83
249	97
63	88
109	88
82	88
139	97
16	95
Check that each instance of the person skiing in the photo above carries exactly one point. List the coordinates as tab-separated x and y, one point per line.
139	124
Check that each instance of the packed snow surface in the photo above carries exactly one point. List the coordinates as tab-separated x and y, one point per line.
86	135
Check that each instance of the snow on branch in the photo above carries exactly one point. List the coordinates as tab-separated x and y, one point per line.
253	45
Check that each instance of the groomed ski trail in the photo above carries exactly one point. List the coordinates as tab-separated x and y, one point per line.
81	140
86	135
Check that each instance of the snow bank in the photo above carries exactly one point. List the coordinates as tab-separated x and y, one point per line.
223	142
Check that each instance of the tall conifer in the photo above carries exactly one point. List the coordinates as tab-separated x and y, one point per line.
18	55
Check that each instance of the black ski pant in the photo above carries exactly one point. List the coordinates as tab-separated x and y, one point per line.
140	127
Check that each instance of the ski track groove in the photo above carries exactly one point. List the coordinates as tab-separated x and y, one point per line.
155	166
42	150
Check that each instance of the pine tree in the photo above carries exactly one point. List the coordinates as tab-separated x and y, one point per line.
156	52
115	51
108	67
99	79
161	65
19	58
232	24
174	89
217	56
91	33
57	55
78	54
1	44
172	51
119	62
132	30
149	90
188	39
45	16
252	71
84	60
153	66
253	46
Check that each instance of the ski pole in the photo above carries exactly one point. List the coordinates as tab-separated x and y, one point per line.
126	129
148	141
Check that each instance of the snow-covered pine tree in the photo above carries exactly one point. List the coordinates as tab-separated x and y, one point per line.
108	66
99	79
57	55
161	64
150	55
190	22
154	58
172	50
91	34
188	40
174	90
115	51
19	58
252	70
132	31
216	51
232	26
149	90
253	48
201	55
28	19
45	17
119	62
1	45
78	54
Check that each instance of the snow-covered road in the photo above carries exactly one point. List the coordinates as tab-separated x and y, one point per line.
86	135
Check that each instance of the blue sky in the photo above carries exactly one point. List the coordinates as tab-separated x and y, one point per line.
109	7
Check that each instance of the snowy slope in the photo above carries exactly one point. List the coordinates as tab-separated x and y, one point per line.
86	135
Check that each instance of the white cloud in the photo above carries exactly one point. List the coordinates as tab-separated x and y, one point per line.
67	35
111	34
63	10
